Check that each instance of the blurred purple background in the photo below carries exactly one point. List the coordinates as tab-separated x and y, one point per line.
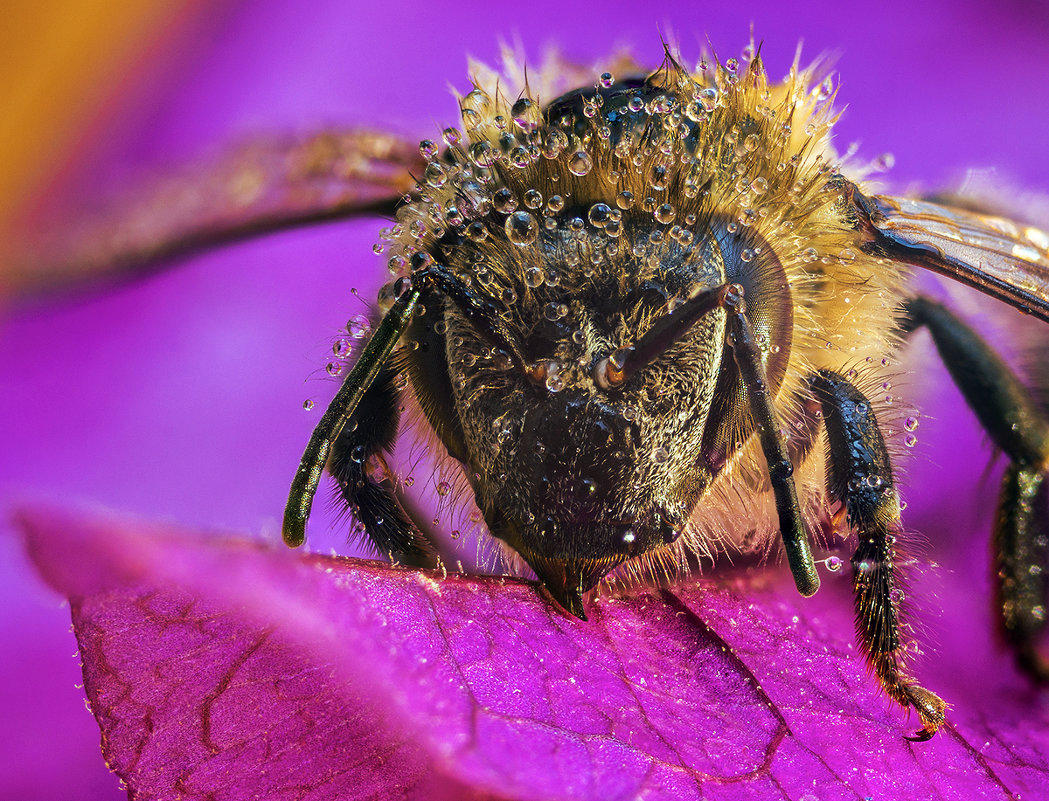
180	397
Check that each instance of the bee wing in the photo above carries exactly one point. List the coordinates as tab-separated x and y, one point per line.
261	187
998	256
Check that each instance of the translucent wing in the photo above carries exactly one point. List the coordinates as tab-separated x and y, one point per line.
1003	258
261	187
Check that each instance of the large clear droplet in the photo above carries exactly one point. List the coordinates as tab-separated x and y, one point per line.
580	163
521	228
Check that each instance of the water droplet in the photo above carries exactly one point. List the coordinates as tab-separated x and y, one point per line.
910	440
435	175
606	79
341	348
533	198
504	201
358	454
911	423
521	228
307	404
625	200
554	311
833	564
358	326
708	99
534	277
333	368
555	203
482	153
443	488
659	455
658	178
554	382
508	296
580	163
665	213
524	114
810	255
599	215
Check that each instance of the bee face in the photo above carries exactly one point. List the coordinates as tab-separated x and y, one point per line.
566	468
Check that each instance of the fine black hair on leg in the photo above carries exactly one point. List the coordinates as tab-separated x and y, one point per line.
859	474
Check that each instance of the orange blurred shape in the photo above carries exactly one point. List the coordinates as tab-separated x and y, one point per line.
63	63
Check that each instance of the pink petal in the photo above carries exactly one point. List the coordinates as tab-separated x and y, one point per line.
227	669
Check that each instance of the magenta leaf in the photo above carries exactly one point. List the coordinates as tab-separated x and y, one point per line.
229	669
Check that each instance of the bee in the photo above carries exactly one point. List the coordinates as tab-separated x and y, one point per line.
648	313
645	315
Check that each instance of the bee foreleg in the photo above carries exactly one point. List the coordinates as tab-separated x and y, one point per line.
1009	413
340	411
859	474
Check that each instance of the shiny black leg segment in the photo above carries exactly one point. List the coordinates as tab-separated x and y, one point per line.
859	474
1009	413
781	472
1003	405
341	410
360	472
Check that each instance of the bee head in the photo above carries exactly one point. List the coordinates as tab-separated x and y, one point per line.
575	465
566	236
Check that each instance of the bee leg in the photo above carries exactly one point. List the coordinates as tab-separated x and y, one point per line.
860	475
1009	413
1021	546
341	410
747	355
359	469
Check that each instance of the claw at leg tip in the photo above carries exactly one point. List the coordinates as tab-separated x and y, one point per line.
922	735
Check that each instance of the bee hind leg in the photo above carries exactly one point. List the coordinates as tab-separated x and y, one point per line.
1011	416
859	474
